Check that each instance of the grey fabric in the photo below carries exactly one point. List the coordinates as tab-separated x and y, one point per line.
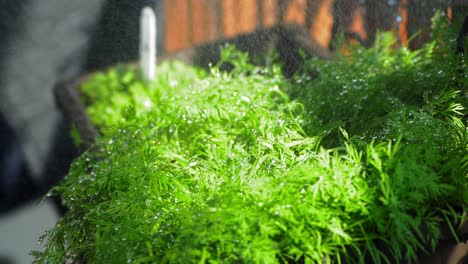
49	43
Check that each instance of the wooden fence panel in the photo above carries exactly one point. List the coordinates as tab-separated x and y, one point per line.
295	11
322	23
213	20
247	15
229	17
198	24
176	25
192	22
269	12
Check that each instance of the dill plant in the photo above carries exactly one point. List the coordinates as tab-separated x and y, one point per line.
365	163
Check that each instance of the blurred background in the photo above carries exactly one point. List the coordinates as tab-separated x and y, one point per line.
194	22
43	42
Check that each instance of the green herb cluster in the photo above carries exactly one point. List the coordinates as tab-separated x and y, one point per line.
367	161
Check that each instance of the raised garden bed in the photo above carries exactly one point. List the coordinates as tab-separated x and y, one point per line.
365	162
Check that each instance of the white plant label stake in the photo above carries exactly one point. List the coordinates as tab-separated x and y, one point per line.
148	43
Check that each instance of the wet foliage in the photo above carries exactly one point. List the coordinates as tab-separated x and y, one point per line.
366	161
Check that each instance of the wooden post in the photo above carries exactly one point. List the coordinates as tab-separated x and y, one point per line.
148	43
